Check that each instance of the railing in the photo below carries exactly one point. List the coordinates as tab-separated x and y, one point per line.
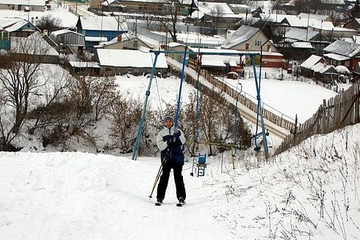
337	112
244	100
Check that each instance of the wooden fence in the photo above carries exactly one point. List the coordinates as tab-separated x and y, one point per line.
337	112
270	116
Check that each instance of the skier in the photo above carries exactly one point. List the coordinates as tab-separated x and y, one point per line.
169	141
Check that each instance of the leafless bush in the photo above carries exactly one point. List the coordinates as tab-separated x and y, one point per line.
125	116
213	124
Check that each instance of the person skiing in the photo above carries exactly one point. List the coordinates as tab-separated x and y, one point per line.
169	141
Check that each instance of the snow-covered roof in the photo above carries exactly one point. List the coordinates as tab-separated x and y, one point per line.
105	23
207	7
241	35
300	34
275	18
6	22
63	31
333	2
343	48
96	39
129	58
314	16
303	22
24	2
18	25
311	61
336	57
84	64
34	44
306	45
212	61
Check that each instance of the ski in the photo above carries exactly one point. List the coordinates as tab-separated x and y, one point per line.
180	203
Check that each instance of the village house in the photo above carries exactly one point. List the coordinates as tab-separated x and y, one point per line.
216	15
23	5
140	6
34	48
250	39
317	68
14	27
97	29
125	41
302	43
68	41
135	62
343	53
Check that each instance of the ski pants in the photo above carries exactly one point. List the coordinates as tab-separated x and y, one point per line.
178	178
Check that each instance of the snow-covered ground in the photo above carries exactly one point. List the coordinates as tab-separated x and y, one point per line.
309	192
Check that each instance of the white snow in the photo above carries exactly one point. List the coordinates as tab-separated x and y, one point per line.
93	196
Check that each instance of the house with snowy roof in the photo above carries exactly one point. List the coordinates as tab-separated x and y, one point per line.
34	48
125	41
14	27
136	62
343	53
97	29
23	5
317	68
68	41
251	39
216	15
141	6
302	43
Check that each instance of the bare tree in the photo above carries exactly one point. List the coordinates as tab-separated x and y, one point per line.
172	12
125	116
216	125
216	13
53	107
49	23
19	80
103	95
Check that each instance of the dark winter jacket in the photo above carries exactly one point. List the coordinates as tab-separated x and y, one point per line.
171	144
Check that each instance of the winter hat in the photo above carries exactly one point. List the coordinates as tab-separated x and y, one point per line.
169	117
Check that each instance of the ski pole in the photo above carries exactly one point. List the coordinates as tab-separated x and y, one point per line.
158	175
192	168
156	180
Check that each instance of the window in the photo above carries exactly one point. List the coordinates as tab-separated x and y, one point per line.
136	44
247	46
258	43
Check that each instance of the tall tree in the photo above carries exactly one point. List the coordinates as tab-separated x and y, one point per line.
19	81
172	12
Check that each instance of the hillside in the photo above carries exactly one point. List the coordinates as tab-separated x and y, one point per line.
309	192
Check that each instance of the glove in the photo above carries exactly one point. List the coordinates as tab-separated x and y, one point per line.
176	130
171	140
